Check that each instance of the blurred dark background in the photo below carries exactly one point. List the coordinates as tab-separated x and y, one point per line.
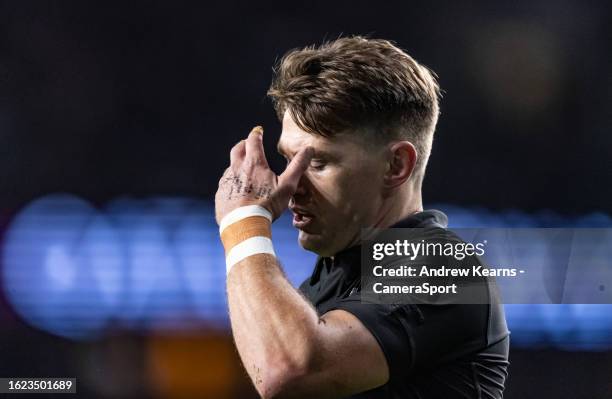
108	98
111	99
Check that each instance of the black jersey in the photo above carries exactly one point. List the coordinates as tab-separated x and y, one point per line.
433	351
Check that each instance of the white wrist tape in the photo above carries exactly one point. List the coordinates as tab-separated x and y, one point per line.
242	213
244	232
251	246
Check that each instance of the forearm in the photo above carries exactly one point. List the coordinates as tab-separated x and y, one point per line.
273	325
288	351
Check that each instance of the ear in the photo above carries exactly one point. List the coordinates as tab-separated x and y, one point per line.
401	163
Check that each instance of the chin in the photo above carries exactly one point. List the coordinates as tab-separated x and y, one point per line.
311	242
315	243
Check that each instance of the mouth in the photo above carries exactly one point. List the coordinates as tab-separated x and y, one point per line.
301	219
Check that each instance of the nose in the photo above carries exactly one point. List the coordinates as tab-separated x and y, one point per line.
301	187
301	193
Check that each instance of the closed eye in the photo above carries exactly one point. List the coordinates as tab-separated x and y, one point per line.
314	164
317	165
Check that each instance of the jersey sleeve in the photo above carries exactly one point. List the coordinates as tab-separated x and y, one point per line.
384	324
416	337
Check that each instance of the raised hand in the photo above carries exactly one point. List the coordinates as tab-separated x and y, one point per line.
250	181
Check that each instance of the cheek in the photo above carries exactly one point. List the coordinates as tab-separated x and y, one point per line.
346	194
329	188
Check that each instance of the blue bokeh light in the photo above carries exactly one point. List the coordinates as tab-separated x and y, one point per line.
48	271
73	270
202	261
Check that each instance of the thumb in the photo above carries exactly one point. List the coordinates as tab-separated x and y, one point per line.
290	178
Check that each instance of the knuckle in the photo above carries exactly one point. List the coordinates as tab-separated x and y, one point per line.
248	164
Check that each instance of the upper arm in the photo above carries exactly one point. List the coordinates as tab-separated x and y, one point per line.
346	360
352	354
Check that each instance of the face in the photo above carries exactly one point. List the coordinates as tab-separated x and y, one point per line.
340	192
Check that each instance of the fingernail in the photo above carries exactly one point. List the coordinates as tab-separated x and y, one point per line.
257	129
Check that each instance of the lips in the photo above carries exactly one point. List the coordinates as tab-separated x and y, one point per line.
301	218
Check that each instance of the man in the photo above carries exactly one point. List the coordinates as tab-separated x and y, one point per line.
358	119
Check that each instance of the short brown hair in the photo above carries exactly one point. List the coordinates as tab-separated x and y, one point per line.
354	83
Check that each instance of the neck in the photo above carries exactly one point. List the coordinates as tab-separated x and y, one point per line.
397	206
405	202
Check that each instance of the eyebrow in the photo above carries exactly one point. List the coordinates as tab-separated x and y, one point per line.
319	154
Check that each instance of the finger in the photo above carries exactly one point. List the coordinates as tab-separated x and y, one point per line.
254	147
296	168
237	153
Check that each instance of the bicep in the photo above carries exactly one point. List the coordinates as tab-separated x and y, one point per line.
349	359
